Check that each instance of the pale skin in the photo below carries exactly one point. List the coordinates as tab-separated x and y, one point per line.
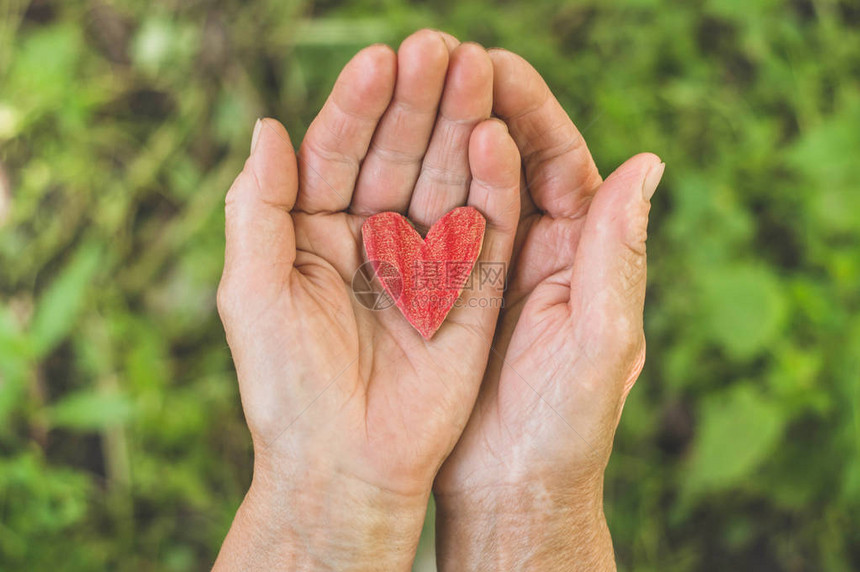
354	417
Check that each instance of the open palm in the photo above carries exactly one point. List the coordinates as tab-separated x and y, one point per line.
570	342
410	133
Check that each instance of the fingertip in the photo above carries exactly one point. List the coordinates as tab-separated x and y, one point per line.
450	41
370	75
257	126
428	42
517	85
650	156
499	56
633	171
652	179
502	59
378	51
493	154
507	60
469	84
422	63
477	57
495	163
643	160
381	61
617	219
269	127
272	164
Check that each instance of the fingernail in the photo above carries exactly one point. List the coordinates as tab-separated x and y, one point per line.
257	127
652	179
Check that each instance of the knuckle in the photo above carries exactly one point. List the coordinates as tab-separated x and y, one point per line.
633	344
635	238
637	362
442	175
633	258
225	298
394	155
235	191
632	271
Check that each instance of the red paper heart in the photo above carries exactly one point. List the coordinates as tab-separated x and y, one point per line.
424	276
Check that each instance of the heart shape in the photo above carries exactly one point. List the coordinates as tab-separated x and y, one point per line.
424	276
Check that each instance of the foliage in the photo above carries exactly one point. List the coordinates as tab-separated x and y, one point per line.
122	124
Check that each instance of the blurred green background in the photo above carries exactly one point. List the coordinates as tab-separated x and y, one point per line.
122	124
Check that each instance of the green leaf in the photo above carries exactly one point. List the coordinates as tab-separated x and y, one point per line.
744	308
61	303
821	157
13	343
45	67
90	410
39	498
737	431
14	354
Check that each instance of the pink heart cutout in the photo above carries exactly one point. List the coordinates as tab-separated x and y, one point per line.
424	276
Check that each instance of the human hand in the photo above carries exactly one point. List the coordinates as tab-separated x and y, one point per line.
350	410
524	486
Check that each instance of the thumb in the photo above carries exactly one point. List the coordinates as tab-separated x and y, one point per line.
609	272
260	242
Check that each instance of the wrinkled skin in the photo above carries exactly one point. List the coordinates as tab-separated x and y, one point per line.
352	413
344	403
569	344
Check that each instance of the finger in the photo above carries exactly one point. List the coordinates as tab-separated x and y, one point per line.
494	191
560	171
467	100
260	240
450	40
392	164
609	273
337	140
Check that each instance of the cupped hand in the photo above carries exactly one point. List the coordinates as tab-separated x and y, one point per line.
351	411
525	481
